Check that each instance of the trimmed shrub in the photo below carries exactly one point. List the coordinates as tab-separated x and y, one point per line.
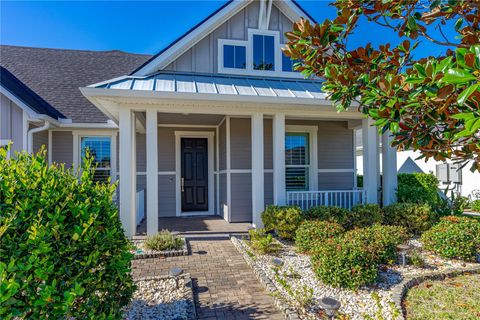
418	188
416	218
262	242
312	232
475	206
352	260
163	240
63	251
332	214
365	215
454	238
284	220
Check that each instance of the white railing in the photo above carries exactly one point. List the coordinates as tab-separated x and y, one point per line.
334	198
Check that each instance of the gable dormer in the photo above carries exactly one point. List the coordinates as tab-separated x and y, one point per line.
247	41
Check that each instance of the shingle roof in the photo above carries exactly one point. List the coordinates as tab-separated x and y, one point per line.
26	95
56	75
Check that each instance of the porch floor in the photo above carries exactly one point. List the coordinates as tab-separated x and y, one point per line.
198	225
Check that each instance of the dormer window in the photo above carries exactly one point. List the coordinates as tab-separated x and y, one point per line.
234	56
259	55
263	52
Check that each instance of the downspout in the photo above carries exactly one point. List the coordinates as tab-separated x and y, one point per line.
46	126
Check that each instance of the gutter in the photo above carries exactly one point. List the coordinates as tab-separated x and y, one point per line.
30	133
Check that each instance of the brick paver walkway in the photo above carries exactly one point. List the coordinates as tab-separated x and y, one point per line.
224	285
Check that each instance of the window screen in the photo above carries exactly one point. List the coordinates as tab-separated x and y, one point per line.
99	149
297	161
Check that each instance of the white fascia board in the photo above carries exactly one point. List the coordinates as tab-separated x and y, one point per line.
192	38
32	114
290	10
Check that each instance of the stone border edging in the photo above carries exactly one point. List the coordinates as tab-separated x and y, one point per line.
289	312
400	290
155	254
191	311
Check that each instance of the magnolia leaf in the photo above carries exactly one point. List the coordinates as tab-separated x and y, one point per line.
462	97
462	116
458	76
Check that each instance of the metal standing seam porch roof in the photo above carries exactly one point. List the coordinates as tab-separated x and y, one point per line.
219	84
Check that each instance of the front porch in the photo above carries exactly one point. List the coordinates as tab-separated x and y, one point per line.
230	153
197	226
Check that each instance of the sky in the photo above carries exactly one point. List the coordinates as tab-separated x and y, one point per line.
139	26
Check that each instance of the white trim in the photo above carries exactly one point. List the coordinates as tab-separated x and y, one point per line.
370	160
355	186
25	131
231	42
160	173
77	136
217	167
335	170
151	128
279	188
229	167
49	152
178	171
258	175
209	126
313	138
389	170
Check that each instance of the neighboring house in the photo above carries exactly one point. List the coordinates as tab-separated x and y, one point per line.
462	181
217	123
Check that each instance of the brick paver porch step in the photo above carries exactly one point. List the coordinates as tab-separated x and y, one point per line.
224	285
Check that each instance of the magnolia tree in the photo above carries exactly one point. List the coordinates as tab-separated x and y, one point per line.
430	104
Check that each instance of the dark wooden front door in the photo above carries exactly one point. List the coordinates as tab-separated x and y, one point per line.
194	179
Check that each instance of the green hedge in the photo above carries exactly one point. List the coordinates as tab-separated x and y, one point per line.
63	251
416	218
475	205
418	188
454	237
352	260
284	220
311	233
360	216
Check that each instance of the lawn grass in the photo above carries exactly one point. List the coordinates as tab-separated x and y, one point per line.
453	298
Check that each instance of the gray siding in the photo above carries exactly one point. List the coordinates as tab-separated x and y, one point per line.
203	56
62	147
240	143
11	127
40	139
268	187
241	210
223	194
222	146
267	144
141	140
335	181
166	195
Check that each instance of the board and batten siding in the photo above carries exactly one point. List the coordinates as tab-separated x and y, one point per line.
11	126
202	57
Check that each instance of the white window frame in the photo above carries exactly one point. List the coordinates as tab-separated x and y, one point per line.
238	43
277	72
5	142
77	152
312	132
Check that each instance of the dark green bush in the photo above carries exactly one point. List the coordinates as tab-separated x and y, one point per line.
312	232
63	251
475	206
262	242
352	260
283	219
333	214
163	240
366	215
416	218
454	238
418	188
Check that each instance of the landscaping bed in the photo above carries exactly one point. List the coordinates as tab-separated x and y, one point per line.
297	276
159	298
162	244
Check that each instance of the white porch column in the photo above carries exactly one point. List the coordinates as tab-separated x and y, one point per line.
370	160
389	170
258	201
152	171
279	193
127	171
